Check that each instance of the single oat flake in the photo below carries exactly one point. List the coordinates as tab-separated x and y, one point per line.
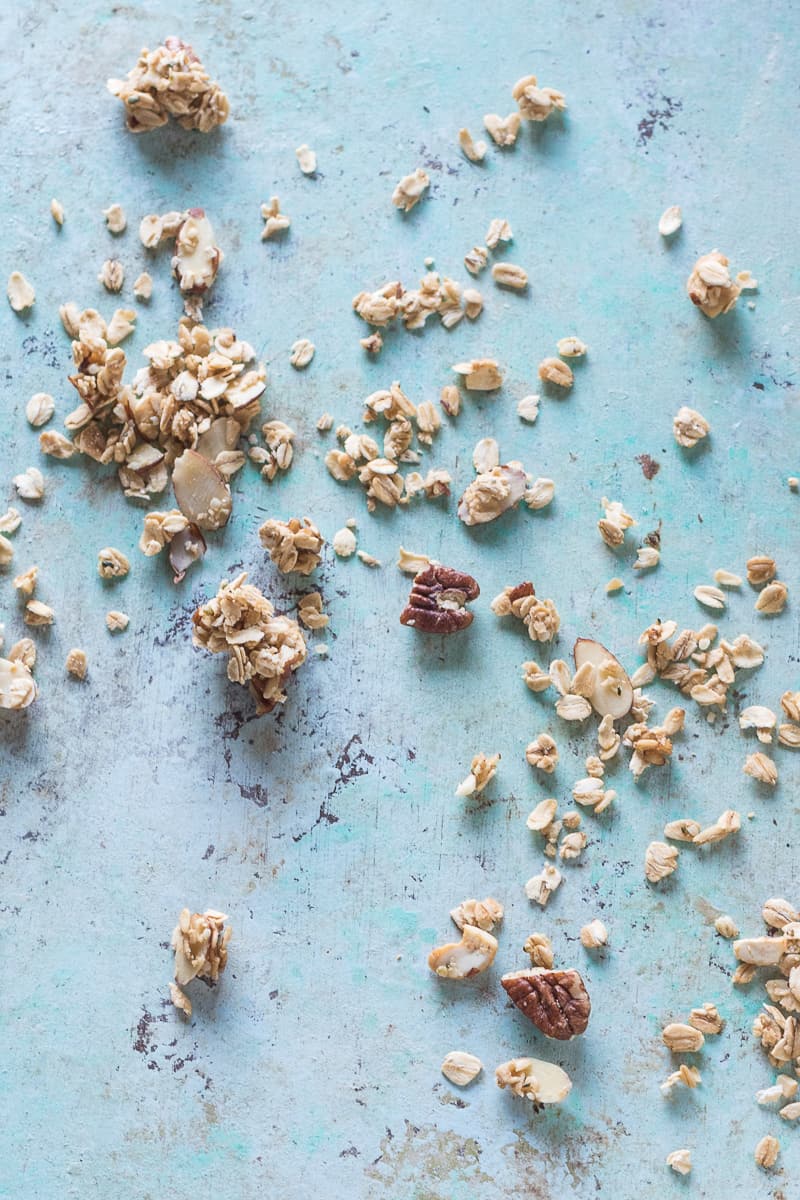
461	1068
39	409
410	189
474	151
21	295
670	221
306	159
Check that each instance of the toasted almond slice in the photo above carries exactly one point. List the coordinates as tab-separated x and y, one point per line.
202	494
613	693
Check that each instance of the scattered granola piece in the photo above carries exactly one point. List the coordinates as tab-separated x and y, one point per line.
486	455
541	887
536	103
760	718
57	211
594	935
121	325
670	221
571	347
116	621
302	353
611	691
6	552
760	767
170	81
543	816
344	543
461	1068
143	286
24	651
534	1080
784	1088
438	599
200	489
556	1002
726	926
294	545
778	913
680	1160
773	598
682	830
474	151
55	444
540	949
410	189
180	1000
542	753
540	617
411	563
39	409
727	823
275	221
306	159
535	678
682	1039
309	611
503	130
767	1151
369	560
480	374
790	1112
200	942
197	259
540	494
660	860
499	231
482	769
37	613
709	597
528	408
615	585
461	960
473	305
20	293
553	370
26	581
373	343
17	686
761	569
510	275
483	914
685	1076
112	564
710	286
116	221
706	1019
112	275
789	735
76	664
263	648
613	524
727	578
492	493
646	558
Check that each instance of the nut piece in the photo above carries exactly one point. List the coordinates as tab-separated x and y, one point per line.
680	1160
461	960
660	860
483	914
535	1080
77	664
197	259
263	647
461	1068
112	564
682	1039
438	599
540	949
710	287
689	427
767	1151
555	1001
306	159
20	293
200	942
410	189
482	770
670	221
170	81
294	545
541	887
202	494
594	935
553	370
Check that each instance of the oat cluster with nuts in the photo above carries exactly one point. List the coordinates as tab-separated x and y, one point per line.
264	648
294	545
170	81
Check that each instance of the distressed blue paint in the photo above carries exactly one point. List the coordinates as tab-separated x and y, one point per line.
316	1061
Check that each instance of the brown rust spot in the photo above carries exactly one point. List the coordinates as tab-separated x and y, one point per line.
650	466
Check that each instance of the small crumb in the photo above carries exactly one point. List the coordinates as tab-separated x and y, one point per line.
325	422
344	543
306	159
143	286
57	211
275	221
528	408
112	564
726	926
572	347
20	293
594	935
410	189
368	559
614	585
680	1161
38	614
793	482
670	221
321	649
117	621
77	664
112	275
553	370
26	581
302	354
373	343
116	221
180	999
474	151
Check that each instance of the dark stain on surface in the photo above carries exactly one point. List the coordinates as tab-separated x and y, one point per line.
350	764
650	467
658	116
143	1042
45	347
255	792
324	815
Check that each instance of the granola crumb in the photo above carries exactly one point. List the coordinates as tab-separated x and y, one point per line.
766	1151
528	408
660	861
21	295
540	949
39	409
25	582
572	347
554	371
689	427
180	1000
344	543
112	275
116	621
410	189
200	942
536	103
499	231
116	221
294	545
324	422
112	564
482	770
615	585
461	1068
309	611
510	275
503	130
726	927
306	159
710	286
594	935
77	664
38	614
373	343
275	222
57	211
680	1161
761	767
670	221
143	286
474	151
368	560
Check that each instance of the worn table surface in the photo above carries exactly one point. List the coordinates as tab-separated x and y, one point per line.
330	832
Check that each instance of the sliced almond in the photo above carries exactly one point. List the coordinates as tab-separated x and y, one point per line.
202	494
612	694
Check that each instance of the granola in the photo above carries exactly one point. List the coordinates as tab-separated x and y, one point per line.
536	103
294	545
275	222
21	295
309	611
553	370
680	1161
263	648
483	769
534	1080
474	151
480	374
660	860
503	130
306	159
116	621
17	686
170	81
483	914
710	286
462	960
116	221
689	426
540	617
39	409
302	353
542	753
77	664
410	189
670	221
461	1068
200	942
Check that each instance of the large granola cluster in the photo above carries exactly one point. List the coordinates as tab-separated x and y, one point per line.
435	294
200	942
170	81
294	545
173	404
263	647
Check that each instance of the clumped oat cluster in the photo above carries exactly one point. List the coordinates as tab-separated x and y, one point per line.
170	81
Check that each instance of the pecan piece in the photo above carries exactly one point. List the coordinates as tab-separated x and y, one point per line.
556	1001
438	598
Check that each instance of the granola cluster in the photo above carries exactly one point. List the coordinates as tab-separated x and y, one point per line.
540	617
413	306
263	647
196	393
293	545
200	942
710	286
170	81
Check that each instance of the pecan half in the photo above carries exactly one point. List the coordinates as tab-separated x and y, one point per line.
437	600
556	1001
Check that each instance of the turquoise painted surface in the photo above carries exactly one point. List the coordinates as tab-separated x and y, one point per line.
330	833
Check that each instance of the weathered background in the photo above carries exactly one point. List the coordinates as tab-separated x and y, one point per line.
330	831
